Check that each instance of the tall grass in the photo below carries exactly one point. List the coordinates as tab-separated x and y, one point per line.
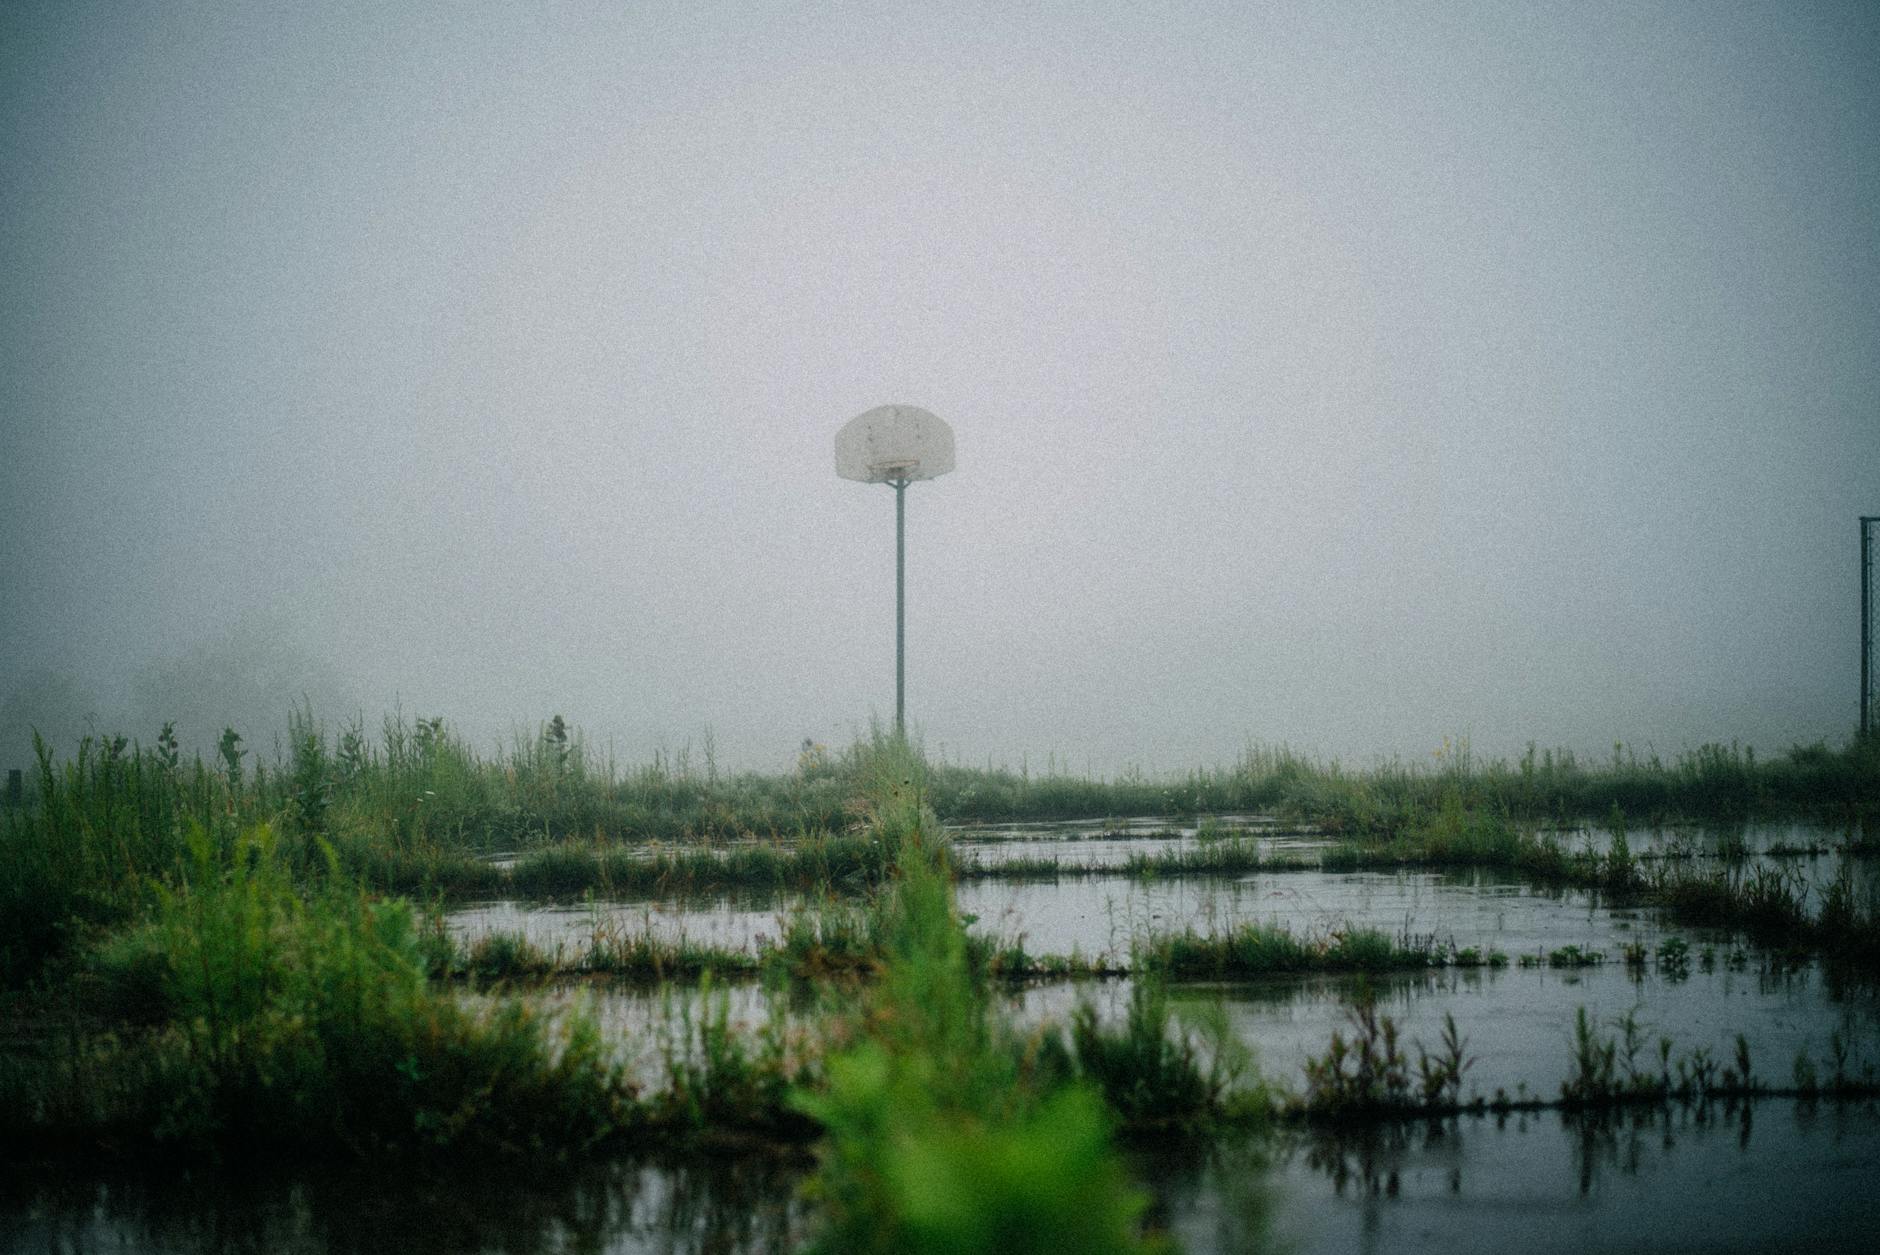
1715	780
293	1023
410	809
938	1136
1254	949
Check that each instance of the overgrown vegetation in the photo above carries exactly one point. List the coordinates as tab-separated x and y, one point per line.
1255	949
1367	1073
263	1005
1768	903
410	807
947	1130
305	1024
215	958
1712	781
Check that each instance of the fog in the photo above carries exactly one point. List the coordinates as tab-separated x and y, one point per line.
1344	376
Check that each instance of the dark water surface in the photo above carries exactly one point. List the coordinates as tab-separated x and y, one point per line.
1771	1176
1775	1175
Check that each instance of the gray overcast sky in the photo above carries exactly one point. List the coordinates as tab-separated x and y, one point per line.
1342	375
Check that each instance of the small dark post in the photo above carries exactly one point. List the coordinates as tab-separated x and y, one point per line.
1866	623
16	787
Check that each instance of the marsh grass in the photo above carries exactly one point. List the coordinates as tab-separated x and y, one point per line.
1159	1077
299	1024
1226	857
410	805
1625	1065
1769	903
1714	781
1255	949
727	1083
855	862
1369	1073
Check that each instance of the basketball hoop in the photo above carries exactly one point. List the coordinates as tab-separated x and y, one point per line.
894	442
896	445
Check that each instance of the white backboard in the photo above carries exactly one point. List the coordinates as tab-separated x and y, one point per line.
893	442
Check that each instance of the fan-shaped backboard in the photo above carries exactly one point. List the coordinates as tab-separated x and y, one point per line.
893	442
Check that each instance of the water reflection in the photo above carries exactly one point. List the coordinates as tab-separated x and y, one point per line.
749	1203
1519	1023
1739	1176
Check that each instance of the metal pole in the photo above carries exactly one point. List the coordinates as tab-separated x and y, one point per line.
900	607
1866	622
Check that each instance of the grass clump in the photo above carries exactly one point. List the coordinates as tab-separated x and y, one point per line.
1364	1074
1255	949
942	1133
296	1025
569	871
726	1085
1155	1077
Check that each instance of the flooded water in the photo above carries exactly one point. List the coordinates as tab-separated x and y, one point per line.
738	921
1811	855
1518	1019
1112	843
1518	1024
1097	916
1771	1176
748	1203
